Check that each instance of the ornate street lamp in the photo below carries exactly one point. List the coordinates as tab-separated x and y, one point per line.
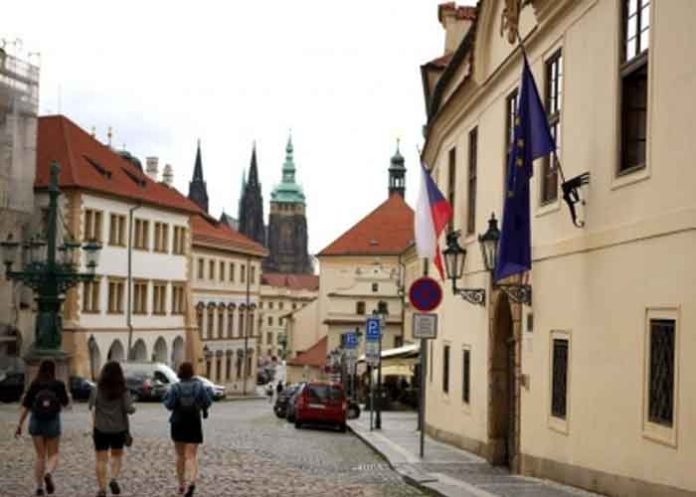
48	275
455	256
520	294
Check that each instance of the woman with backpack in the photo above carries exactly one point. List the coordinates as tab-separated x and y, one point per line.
111	404
188	400
44	399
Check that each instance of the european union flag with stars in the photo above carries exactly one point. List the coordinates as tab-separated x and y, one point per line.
531	139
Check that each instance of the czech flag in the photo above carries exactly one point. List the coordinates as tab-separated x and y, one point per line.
433	213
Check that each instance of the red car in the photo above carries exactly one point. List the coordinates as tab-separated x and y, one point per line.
321	402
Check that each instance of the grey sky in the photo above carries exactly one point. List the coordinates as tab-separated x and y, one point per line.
343	75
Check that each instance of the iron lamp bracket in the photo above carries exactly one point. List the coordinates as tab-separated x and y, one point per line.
519	294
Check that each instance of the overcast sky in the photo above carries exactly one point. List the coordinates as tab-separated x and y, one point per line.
344	76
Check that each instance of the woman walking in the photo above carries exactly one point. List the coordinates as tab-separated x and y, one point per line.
111	405
187	400
44	400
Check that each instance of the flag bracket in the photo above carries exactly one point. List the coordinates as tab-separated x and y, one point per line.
476	296
571	195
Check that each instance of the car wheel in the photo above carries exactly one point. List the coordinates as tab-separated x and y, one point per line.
342	428
298	425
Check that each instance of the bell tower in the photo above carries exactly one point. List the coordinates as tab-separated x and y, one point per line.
397	174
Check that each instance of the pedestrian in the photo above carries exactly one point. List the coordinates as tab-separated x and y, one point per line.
111	404
279	388
269	391
187	400
44	399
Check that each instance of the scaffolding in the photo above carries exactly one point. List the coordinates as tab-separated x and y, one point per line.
19	104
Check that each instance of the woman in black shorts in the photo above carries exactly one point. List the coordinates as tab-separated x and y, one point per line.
187	400
44	400
111	403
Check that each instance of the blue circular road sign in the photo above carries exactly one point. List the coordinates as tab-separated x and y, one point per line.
425	294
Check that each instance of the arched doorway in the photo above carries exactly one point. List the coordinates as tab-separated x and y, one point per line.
502	415
139	351
159	354
116	351
94	358
178	352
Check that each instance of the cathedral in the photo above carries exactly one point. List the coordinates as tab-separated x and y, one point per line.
285	236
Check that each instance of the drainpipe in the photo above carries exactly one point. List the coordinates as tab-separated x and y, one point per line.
246	327
129	301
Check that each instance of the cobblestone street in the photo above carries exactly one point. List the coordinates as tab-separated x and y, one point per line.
247	452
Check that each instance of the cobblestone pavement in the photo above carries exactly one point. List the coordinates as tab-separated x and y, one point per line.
247	452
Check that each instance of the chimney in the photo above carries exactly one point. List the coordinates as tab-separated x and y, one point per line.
168	175
151	167
456	20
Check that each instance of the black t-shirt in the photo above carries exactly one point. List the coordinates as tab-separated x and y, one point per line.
56	386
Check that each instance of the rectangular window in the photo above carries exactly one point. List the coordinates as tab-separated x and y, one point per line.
559	378
281	305
201	267
242	330
211	270
634	85
270	305
117	230
230	323
161	237
159	298
231	275
90	296
93	225
221	271
510	118
554	99
177	298
179	240
269	338
466	376
471	193
221	322
116	296
142	234
210	324
360	308
452	182
661	372
445	368
140	297
252	274
242	275
270	320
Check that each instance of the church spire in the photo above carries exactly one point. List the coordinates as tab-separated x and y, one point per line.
197	188
289	164
251	220
253	170
397	173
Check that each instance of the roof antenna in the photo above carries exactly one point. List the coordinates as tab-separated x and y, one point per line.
109	134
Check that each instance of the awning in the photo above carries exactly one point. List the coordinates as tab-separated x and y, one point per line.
406	354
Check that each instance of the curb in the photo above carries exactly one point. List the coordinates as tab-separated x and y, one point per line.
397	468
238	398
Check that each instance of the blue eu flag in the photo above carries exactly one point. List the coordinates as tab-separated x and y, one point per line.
531	139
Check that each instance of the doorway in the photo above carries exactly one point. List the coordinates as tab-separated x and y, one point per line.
502	414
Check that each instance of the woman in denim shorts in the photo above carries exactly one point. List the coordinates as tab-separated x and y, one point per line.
44	399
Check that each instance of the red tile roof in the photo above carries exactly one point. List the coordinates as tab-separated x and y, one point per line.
209	231
313	356
460	12
291	281
387	230
90	165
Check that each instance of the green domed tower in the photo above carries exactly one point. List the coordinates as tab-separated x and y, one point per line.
287	228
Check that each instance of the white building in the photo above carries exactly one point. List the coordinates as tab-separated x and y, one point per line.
140	300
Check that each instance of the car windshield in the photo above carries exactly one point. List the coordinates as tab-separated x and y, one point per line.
323	393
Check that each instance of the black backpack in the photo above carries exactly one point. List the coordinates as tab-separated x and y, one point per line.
188	402
46	404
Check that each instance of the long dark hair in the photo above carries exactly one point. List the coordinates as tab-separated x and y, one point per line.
47	371
111	382
186	371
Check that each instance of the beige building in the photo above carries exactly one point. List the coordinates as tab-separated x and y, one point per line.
364	266
281	296
303	329
593	384
226	285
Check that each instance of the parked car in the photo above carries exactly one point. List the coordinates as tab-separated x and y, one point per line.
80	388
216	391
157	370
144	387
280	408
321	403
11	387
292	402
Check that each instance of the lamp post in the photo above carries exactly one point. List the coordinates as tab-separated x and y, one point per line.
50	274
283	342
520	294
382	311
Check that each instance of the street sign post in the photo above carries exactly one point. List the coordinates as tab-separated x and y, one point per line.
425	294
372	352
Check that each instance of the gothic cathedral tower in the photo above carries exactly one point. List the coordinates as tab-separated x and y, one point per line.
197	189
287	230
250	214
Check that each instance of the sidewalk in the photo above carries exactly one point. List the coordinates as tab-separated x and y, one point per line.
446	470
